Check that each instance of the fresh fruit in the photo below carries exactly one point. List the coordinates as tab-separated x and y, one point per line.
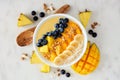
66	20
77	43
35	18
45	68
90	31
34	59
94	34
33	12
84	17
42	14
23	20
89	62
62	71
44	49
67	74
50	41
57	25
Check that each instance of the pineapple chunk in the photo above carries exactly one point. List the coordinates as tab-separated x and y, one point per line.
84	17
34	59
45	68
44	49
23	20
50	41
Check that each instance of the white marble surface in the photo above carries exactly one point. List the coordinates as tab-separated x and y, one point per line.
106	12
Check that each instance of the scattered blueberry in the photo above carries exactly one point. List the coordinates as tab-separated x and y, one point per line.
67	74
57	25
35	18
42	14
94	34
90	31
62	71
33	12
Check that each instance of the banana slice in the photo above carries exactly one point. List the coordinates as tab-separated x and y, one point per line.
70	51
71	48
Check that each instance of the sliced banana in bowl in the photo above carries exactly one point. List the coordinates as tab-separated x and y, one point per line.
72	51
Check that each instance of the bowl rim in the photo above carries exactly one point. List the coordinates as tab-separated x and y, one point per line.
74	20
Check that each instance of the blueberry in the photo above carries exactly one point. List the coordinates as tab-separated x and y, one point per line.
35	18
50	33
33	12
61	25
55	33
38	44
44	42
57	25
90	31
42	14
66	20
61	30
94	34
61	20
44	36
65	25
59	35
55	37
40	40
67	74
62	71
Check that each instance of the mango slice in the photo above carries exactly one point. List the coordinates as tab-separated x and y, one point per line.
84	17
89	62
23	20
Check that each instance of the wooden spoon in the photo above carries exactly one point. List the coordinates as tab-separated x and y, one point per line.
26	37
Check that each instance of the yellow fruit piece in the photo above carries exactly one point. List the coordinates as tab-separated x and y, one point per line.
89	61
50	41
45	68
84	17
58	49
52	57
44	49
34	59
23	20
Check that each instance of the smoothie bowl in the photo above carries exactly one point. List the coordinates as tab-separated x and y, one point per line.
60	40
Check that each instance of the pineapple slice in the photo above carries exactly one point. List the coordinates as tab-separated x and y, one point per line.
44	49
89	62
34	59
23	20
50	41
84	17
45	68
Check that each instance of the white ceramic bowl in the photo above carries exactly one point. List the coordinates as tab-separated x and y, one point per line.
74	20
